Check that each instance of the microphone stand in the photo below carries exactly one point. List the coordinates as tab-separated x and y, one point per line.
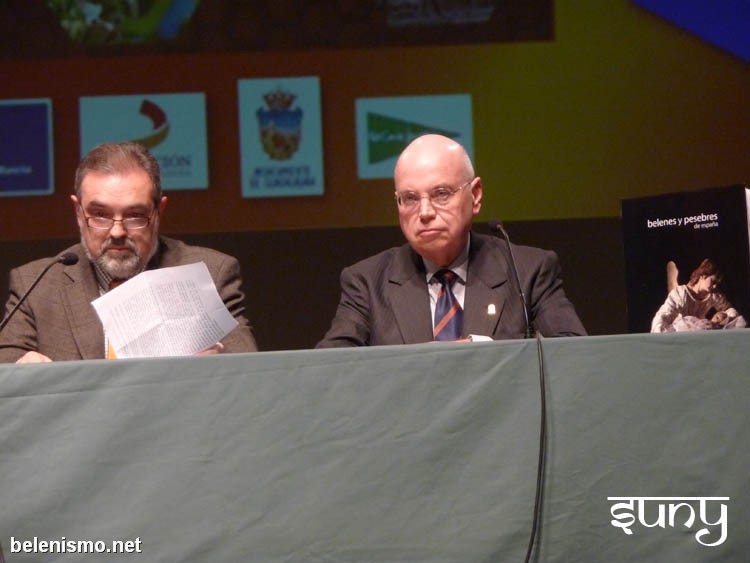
497	227
68	259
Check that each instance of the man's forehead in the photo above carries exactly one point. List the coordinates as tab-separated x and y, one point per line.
425	178
131	173
135	182
105	203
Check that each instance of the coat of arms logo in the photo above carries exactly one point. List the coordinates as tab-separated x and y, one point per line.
280	126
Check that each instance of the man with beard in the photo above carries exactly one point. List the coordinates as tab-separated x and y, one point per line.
118	205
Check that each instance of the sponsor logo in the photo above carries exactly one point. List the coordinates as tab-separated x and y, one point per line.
159	121
280	126
171	126
385	126
387	136
281	145
26	162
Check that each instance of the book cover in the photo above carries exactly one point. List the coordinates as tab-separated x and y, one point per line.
687	258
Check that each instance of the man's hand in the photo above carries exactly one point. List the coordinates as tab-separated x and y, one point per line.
217	348
32	358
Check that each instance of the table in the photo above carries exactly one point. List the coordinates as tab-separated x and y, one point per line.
396	453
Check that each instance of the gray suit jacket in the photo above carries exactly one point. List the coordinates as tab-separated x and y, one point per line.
384	298
58	320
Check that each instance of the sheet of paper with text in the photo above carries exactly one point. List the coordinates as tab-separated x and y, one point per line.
165	312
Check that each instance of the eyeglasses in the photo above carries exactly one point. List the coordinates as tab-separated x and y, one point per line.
130	223
439	197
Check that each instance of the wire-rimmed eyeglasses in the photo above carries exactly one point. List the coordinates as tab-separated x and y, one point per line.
439	197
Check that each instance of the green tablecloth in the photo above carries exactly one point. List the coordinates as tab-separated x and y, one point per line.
386	454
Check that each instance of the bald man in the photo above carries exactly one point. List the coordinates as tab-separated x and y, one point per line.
446	283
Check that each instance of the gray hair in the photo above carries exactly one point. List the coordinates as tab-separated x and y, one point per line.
116	158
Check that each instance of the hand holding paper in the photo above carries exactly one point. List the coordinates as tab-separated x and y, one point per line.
165	312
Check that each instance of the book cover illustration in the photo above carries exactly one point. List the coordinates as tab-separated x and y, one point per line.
687	260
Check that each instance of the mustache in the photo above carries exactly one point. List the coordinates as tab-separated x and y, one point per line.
124	241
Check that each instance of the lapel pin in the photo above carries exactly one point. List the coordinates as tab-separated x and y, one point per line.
491	309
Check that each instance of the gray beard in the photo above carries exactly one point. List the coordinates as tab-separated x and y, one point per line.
124	266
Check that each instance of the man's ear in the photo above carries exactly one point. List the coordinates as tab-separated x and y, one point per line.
476	193
162	204
77	209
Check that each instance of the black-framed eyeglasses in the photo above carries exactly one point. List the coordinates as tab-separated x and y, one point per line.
129	223
439	197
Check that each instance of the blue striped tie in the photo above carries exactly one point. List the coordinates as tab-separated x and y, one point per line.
448	313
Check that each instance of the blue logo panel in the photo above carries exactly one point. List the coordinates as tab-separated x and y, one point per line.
26	160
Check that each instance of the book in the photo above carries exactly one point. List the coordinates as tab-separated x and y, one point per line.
668	237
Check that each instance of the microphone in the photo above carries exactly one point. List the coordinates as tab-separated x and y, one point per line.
497	228
66	259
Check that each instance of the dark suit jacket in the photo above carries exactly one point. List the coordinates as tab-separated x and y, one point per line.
384	298
59	321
